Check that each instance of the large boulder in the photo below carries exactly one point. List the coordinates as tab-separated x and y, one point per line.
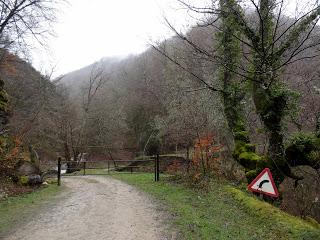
34	180
27	173
25	168
30	180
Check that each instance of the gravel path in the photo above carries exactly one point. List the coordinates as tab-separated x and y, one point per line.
99	208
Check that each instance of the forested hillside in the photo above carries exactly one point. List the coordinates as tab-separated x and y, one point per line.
236	93
171	95
156	95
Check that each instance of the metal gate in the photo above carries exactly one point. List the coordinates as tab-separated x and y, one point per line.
105	167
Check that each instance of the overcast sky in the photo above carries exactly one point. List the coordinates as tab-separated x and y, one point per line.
89	30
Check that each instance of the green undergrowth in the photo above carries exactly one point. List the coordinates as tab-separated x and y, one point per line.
16	210
224	212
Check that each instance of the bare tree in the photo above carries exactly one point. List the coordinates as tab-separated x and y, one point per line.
89	92
271	41
96	80
22	19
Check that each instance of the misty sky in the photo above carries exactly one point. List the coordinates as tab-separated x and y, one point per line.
89	30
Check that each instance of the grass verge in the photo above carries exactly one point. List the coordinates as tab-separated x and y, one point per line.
225	212
16	210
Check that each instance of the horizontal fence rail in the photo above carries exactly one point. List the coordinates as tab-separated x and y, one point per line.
73	168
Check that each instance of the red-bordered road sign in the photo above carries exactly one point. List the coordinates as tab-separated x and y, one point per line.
264	184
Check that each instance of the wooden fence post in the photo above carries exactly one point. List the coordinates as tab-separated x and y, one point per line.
59	171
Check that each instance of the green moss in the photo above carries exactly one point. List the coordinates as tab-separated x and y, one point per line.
303	149
234	90
298	228
249	160
313	222
245	154
250	175
241	136
250	147
23	180
249	156
245	147
314	156
223	212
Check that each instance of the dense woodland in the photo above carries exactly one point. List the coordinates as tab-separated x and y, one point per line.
238	92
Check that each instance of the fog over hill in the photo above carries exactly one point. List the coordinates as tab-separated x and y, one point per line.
77	78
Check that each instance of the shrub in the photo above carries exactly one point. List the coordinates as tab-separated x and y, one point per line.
304	149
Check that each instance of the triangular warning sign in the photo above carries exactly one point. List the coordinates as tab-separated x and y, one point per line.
264	184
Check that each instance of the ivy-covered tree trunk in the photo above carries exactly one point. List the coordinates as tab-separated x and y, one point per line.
270	95
269	54
233	91
270	105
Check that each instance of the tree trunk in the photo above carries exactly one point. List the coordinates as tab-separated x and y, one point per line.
233	91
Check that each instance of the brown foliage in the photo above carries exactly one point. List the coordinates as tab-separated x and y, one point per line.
174	167
205	155
11	151
8	66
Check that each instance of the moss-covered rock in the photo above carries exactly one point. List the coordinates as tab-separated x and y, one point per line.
23	180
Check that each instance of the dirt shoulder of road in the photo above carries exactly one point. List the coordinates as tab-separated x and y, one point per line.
19	210
95	207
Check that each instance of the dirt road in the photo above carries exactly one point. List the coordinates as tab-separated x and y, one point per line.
96	208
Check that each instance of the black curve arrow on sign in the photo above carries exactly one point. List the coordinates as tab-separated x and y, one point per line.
263	182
